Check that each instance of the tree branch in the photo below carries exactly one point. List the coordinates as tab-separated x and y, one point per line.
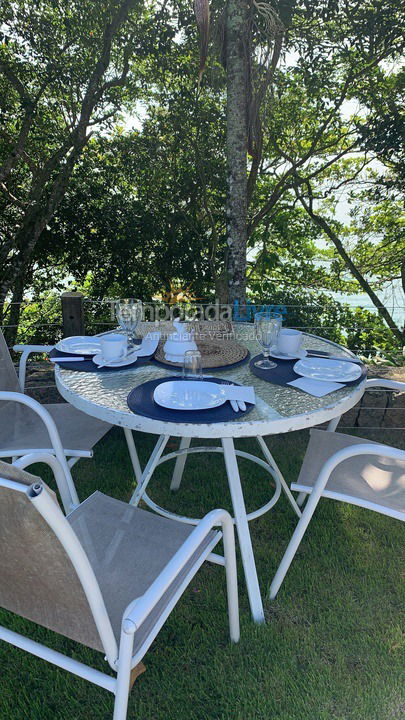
332	235
15	82
43	200
14	200
18	149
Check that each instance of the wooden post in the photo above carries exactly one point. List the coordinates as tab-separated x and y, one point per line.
72	313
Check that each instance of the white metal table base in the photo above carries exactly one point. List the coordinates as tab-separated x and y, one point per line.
241	517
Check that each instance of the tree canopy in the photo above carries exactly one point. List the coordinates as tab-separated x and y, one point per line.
138	208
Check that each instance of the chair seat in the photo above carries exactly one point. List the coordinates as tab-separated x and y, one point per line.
22	429
111	532
366	480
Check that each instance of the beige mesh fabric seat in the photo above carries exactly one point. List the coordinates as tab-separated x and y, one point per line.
373	479
22	431
107	576
350	469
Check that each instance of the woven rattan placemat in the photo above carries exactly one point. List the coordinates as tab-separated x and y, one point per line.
215	353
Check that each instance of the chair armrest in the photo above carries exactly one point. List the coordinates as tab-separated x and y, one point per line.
138	610
372	383
33	348
69	497
45	457
385	384
26	350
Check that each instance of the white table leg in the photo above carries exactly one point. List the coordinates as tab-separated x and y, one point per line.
180	463
270	459
149	470
242	526
133	454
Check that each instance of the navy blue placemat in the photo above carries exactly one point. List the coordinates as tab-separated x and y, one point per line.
284	373
217	367
140	401
88	365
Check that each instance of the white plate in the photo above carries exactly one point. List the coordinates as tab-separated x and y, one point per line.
79	345
127	360
189	395
296	356
329	370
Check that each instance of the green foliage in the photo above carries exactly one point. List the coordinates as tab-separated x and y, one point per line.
360	330
40	320
145	207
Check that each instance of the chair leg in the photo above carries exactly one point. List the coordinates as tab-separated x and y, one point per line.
270	459
149	470
133	454
301	498
294	543
72	461
228	536
124	671
180	463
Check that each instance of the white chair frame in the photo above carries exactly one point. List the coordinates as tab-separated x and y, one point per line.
72	454
66	486
332	425
121	659
319	490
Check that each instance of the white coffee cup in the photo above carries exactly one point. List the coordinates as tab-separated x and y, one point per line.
289	341
113	346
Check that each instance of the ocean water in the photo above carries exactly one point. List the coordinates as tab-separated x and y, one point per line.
392	297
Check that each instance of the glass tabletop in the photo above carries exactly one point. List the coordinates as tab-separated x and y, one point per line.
273	402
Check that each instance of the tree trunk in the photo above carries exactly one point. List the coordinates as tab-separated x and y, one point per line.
13	317
236	147
221	289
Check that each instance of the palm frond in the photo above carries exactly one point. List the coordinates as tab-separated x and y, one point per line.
202	15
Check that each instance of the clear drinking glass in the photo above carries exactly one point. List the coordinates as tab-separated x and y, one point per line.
128	312
267	328
192	365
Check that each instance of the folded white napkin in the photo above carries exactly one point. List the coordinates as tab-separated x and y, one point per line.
318	388
243	393
148	345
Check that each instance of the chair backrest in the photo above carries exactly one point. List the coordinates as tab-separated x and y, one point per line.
8	375
38	575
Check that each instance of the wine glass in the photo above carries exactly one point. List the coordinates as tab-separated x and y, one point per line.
267	327
128	312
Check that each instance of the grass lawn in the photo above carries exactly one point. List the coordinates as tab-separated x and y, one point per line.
332	647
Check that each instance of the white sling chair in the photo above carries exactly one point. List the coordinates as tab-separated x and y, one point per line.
107	575
351	469
21	431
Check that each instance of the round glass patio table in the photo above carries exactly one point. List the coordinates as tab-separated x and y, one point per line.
278	409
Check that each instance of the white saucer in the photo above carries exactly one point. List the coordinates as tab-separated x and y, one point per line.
299	355
189	395
127	360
